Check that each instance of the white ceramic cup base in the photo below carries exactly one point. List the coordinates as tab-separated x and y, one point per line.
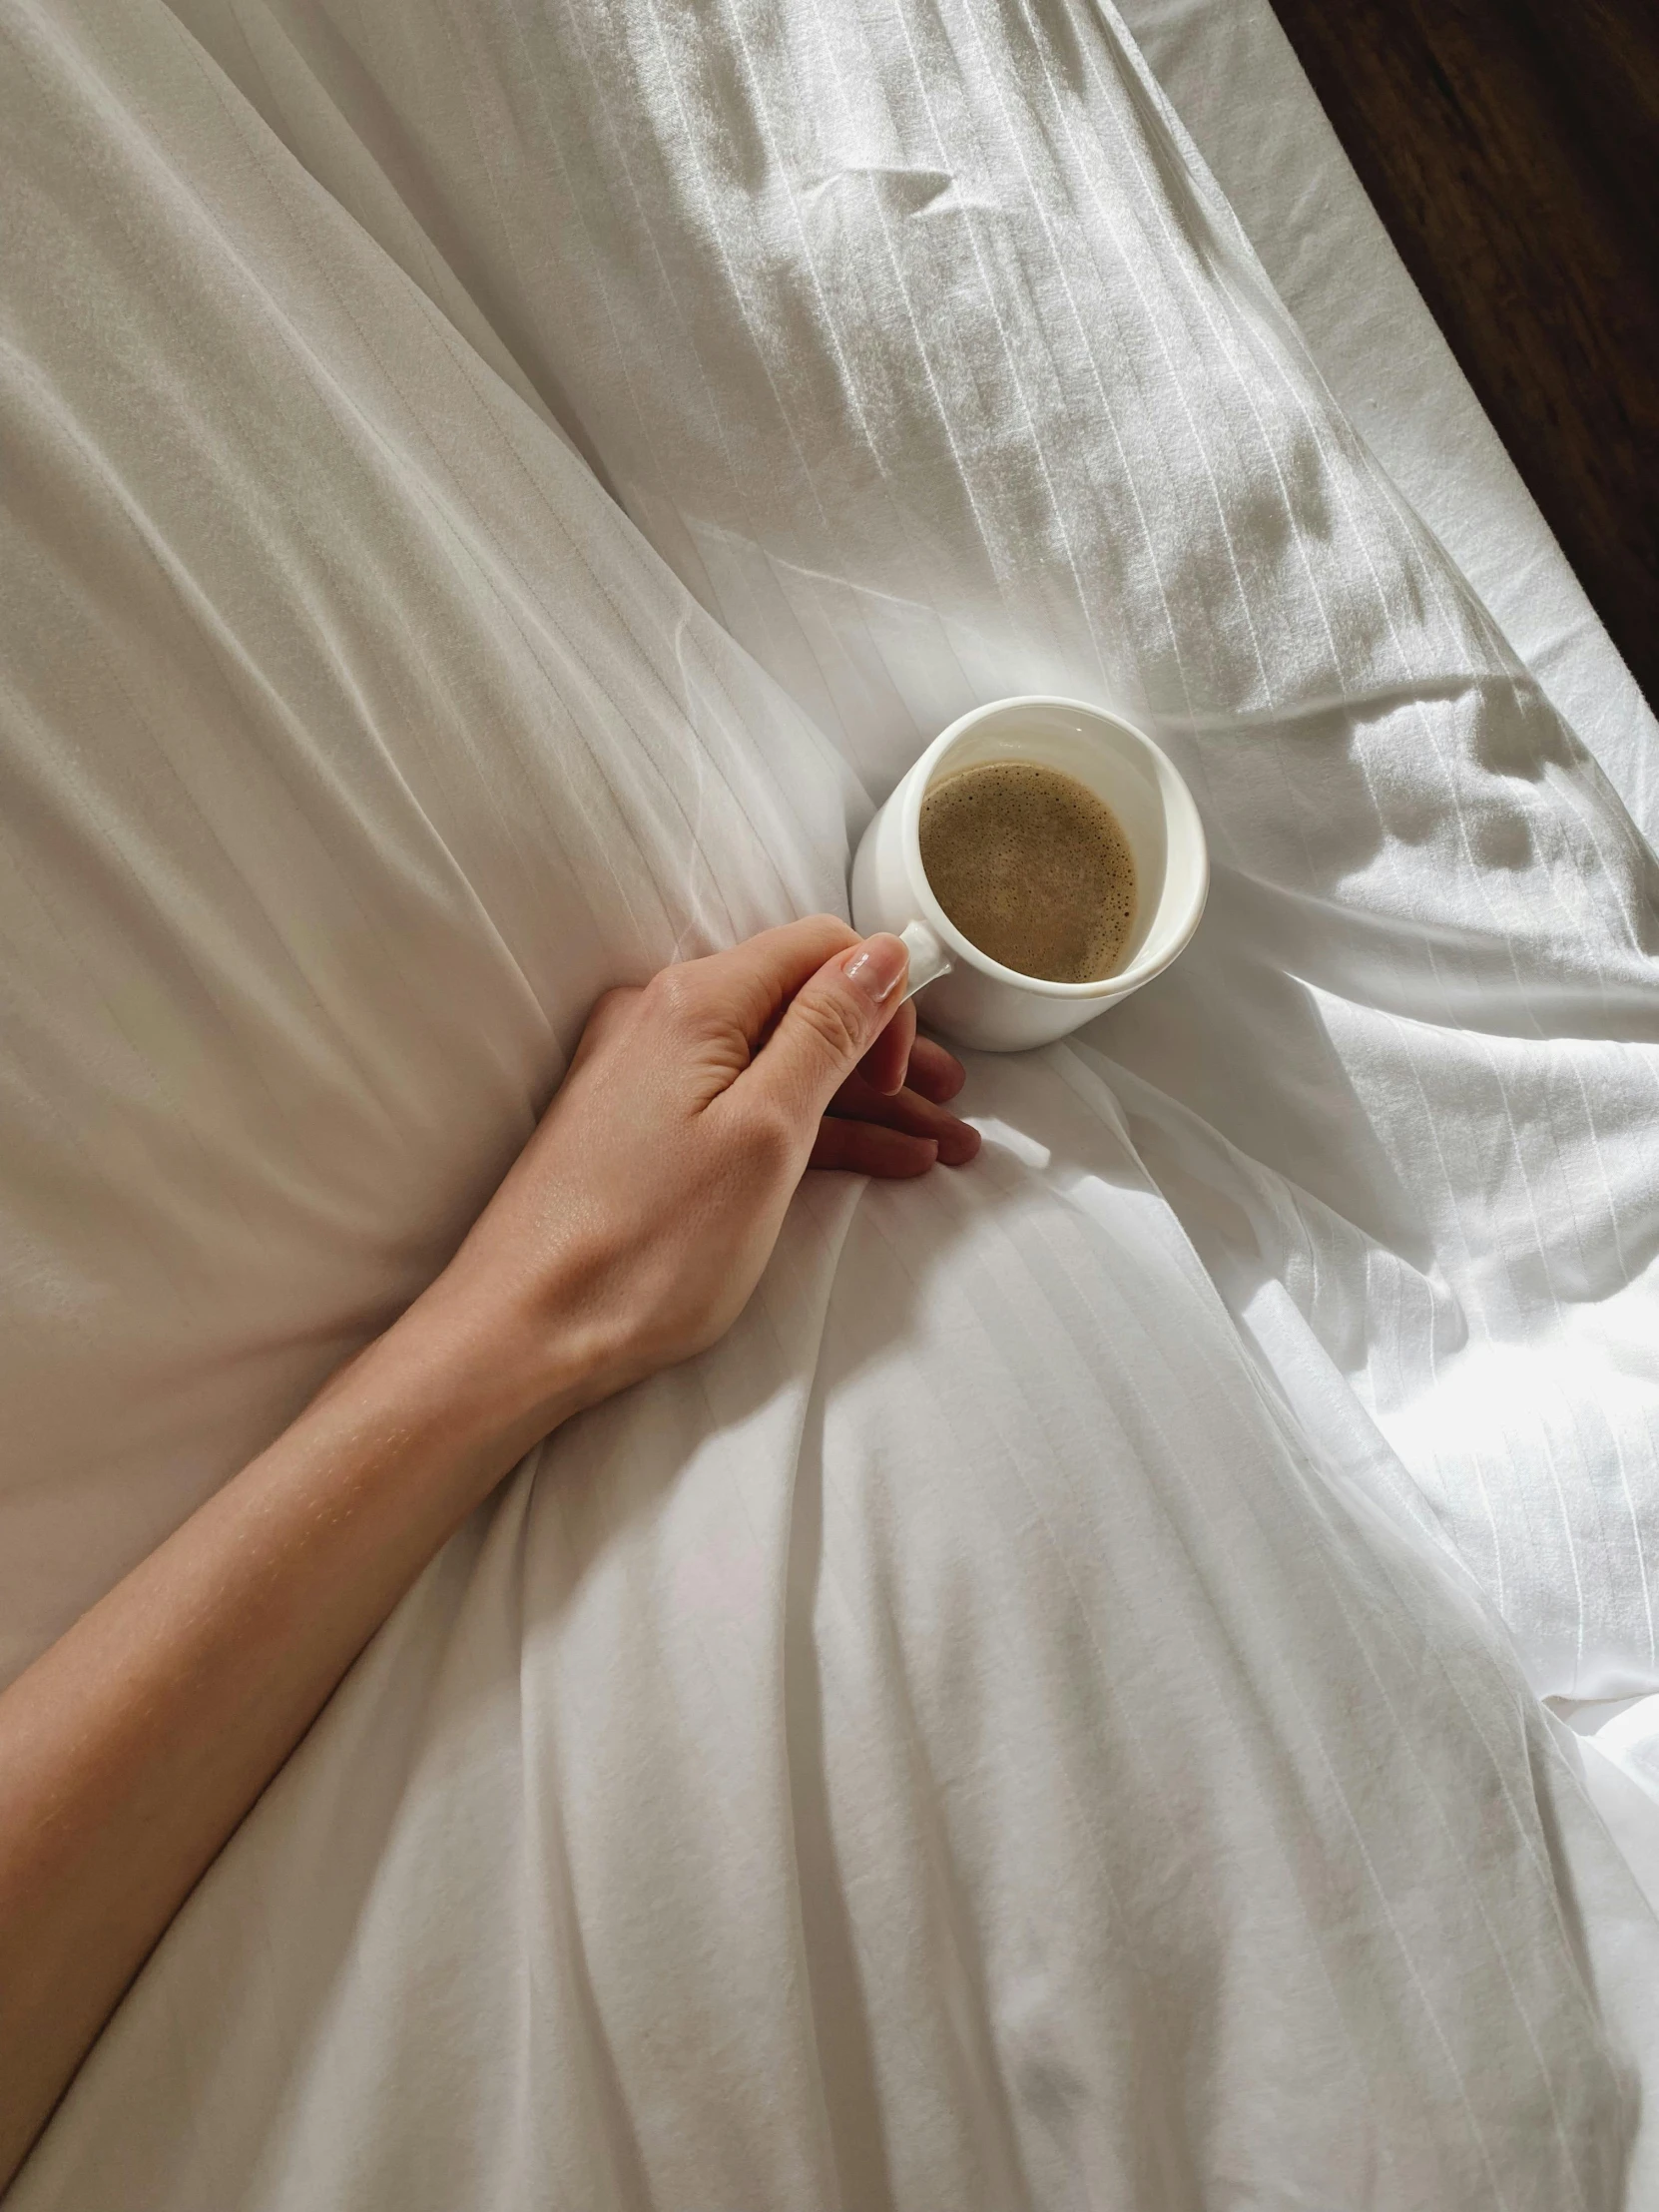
965	994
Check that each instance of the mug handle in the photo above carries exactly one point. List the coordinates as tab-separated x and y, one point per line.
928	958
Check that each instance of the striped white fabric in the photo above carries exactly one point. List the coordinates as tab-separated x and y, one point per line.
966	1741
1236	82
915	340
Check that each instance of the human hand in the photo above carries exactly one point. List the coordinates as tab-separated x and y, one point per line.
633	1227
628	1234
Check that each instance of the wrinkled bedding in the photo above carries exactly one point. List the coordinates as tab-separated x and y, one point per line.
1237	87
1043	1713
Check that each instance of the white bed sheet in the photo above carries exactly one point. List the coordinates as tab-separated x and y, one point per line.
1237	86
767	1805
897	384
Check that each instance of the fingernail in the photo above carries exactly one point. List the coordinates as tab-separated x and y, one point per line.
877	966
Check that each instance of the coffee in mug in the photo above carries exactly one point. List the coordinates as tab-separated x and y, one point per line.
1101	874
1032	868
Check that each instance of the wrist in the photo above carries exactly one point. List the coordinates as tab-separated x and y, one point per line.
494	1374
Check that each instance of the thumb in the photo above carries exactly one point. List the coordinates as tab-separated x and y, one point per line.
831	1023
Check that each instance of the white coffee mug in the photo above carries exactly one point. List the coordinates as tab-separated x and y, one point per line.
967	995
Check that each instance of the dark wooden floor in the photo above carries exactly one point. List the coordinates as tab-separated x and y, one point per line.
1511	147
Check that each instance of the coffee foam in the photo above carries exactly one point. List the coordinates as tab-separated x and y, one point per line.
1031	867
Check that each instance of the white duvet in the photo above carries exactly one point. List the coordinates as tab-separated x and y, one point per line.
1025	1721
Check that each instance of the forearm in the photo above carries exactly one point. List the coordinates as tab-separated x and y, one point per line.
131	1750
627	1236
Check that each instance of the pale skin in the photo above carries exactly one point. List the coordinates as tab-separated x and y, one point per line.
628	1234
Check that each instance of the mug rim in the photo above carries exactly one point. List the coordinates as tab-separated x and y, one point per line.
1171	783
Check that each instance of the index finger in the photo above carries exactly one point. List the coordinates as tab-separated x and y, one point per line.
750	984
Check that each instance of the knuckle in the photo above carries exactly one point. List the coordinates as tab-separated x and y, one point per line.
832	925
672	992
610	1004
834	935
836	1021
607	1018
